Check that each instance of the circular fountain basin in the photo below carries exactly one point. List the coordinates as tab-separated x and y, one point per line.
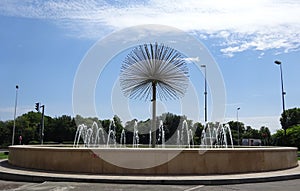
153	161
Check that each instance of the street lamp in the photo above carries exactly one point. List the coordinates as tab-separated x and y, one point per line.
282	94
237	119
205	94
42	123
14	127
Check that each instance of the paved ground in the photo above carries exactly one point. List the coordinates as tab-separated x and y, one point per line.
289	185
9	172
275	180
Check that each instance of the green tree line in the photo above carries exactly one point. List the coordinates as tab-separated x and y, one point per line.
62	129
291	120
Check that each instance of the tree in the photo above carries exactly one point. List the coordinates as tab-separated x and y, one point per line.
237	130
28	126
171	123
144	128
278	138
265	135
87	121
5	132
60	129
250	133
118	126
292	137
290	118
198	132
129	131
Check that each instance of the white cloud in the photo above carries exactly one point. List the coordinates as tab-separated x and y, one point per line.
253	24
192	59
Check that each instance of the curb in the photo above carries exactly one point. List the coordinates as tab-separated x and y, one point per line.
12	173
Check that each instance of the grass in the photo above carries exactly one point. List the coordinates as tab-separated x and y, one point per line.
3	156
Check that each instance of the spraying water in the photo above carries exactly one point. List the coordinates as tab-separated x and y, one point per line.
135	142
111	138
215	136
161	134
123	138
91	136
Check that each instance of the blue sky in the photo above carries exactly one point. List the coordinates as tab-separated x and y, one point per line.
44	42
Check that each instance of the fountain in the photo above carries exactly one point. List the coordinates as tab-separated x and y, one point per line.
151	71
123	138
111	138
216	136
94	136
185	138
91	136
150	138
161	134
178	138
191	140
135	138
215	155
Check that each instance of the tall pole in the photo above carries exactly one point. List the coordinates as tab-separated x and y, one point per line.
14	127
42	122
282	94
238	127
205	94
153	129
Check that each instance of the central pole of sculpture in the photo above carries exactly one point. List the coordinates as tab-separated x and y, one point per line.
153	129
154	69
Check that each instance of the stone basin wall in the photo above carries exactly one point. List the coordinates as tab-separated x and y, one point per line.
153	161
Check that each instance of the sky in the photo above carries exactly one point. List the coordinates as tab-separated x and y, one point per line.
43	44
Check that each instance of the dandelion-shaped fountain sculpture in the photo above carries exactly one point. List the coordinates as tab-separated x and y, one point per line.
154	69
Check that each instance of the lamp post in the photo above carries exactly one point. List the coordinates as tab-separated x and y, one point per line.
205	94
42	124
237	119
14	127
282	94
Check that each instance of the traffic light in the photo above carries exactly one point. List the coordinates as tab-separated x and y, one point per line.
37	106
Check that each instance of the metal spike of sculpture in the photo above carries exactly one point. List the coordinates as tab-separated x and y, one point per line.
154	69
